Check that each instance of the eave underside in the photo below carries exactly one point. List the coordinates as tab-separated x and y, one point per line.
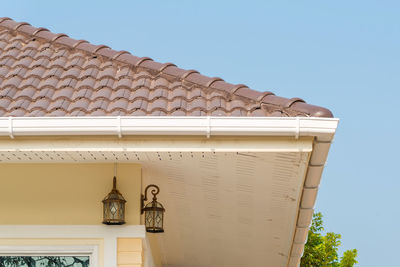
224	205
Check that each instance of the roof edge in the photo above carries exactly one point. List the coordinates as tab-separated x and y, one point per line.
295	104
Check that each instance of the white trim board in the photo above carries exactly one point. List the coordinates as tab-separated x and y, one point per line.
16	250
109	234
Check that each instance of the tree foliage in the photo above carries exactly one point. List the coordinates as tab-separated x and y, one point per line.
322	251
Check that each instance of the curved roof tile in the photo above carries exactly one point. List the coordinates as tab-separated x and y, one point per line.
110	82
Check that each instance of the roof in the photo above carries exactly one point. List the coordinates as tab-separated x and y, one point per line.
48	74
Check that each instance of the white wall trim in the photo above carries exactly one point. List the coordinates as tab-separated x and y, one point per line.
108	233
91	251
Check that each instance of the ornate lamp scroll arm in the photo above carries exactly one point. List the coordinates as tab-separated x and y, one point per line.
154	192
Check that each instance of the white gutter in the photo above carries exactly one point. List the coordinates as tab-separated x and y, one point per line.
323	128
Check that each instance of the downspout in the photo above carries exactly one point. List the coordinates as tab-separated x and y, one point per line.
10	129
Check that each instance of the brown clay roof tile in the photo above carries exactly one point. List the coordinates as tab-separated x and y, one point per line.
48	74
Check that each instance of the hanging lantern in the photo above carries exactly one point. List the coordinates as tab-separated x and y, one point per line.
114	206
153	211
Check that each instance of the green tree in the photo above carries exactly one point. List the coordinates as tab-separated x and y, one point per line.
322	251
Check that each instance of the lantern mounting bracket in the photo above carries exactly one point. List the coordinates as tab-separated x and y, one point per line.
154	192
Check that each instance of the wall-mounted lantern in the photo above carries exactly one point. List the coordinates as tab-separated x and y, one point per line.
153	211
114	206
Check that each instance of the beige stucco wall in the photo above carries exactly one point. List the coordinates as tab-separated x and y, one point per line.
155	249
65	193
129	252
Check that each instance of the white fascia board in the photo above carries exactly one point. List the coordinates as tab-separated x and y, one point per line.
323	128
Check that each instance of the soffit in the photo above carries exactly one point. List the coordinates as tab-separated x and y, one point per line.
224	207
138	149
229	209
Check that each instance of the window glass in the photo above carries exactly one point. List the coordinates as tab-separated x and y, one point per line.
44	261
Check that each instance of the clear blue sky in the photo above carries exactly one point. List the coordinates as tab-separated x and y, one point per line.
344	55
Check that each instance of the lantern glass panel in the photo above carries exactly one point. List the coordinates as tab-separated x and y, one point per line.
113	209
154	217
149	218
158	219
121	210
105	210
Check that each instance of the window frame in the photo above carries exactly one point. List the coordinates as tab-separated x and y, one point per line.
64	250
103	239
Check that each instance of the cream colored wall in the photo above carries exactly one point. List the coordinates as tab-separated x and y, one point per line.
65	193
129	252
155	249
